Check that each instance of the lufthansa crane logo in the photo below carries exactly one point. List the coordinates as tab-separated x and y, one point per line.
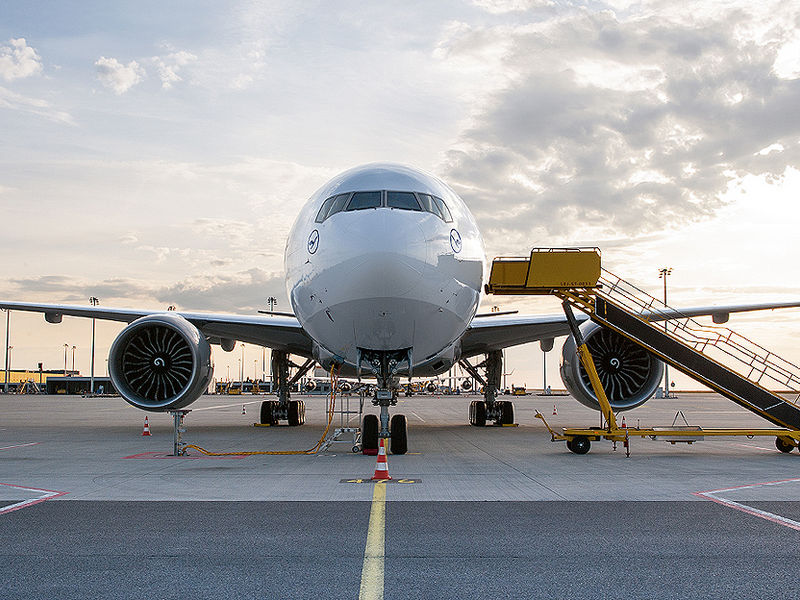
455	241
313	242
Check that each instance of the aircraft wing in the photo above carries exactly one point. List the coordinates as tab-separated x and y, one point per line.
489	332
278	332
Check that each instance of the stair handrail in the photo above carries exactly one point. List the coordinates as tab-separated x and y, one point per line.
700	337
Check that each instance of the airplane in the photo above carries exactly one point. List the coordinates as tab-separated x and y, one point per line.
384	271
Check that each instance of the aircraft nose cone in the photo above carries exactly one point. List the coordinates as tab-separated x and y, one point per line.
393	267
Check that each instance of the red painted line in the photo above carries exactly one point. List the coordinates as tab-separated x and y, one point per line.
20	445
48	495
163	455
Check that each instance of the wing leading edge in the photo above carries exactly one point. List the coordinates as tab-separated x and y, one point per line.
488	333
278	332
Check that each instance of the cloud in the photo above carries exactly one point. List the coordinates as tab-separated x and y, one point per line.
622	125
169	65
34	106
507	6
118	77
244	292
19	60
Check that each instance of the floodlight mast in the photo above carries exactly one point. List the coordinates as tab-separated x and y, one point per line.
94	302
663	274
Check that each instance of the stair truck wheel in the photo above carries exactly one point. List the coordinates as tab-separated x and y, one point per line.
398	432
580	444
784	445
369	434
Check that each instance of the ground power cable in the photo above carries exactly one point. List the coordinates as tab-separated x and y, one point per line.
330	405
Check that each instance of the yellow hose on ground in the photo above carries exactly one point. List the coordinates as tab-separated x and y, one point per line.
329	407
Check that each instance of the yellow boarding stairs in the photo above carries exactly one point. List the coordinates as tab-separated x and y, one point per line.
717	357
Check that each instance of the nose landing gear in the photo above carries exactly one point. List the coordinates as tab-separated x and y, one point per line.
385	366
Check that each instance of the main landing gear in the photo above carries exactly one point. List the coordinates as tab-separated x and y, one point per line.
489	409
384	365
292	411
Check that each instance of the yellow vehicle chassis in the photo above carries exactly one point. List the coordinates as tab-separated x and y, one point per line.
689	435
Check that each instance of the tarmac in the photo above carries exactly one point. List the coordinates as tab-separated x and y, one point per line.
91	508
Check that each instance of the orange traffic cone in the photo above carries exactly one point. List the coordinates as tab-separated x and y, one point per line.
382	468
244	412
555	412
146	430
624	426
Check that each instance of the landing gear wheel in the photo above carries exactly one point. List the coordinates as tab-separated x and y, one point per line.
369	435
296	413
580	444
268	412
477	413
507	412
398	435
784	445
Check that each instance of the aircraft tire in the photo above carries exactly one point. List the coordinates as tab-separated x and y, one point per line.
398	435
369	434
293	415
477	413
507	413
784	445
268	412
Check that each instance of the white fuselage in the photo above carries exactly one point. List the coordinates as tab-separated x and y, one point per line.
385	278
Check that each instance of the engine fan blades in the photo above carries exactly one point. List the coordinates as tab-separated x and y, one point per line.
157	363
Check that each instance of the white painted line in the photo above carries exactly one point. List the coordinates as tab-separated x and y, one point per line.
20	445
46	495
755	447
772	517
416	415
225	406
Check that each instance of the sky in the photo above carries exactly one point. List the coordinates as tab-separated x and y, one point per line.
157	153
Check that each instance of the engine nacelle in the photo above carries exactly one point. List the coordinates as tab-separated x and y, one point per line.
629	373
345	387
466	385
310	385
431	387
160	362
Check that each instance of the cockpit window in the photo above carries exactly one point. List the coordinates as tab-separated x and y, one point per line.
362	200
404	200
338	204
443	209
430	206
323	211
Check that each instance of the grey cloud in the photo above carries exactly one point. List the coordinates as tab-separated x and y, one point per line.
243	292
556	150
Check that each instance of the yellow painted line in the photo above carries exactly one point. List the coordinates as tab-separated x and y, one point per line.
372	571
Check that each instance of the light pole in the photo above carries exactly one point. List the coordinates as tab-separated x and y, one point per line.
66	347
663	274
8	326
255	369
73	360
229	374
94	302
272	301
8	363
241	368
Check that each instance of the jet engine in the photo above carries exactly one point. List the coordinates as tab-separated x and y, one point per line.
345	387
628	372
310	385
431	387
160	362
466	385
